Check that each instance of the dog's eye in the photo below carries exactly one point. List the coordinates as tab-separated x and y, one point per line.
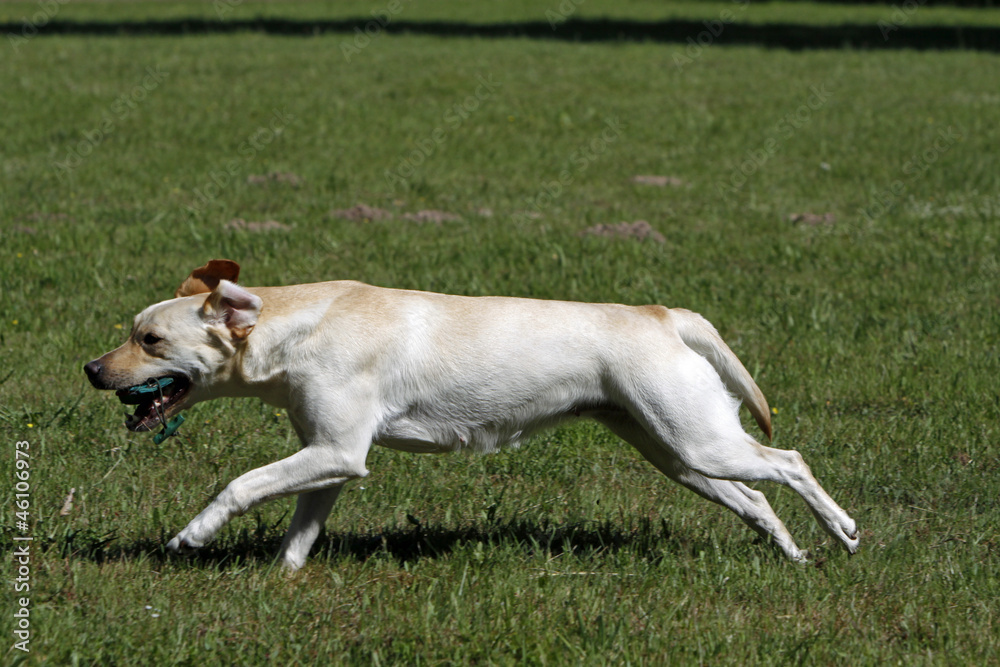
151	339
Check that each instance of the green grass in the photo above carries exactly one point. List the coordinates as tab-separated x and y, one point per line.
874	337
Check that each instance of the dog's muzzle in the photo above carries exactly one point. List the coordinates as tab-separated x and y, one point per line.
94	371
154	401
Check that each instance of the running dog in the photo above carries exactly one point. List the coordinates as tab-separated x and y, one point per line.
356	365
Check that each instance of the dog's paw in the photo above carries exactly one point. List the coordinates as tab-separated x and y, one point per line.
182	545
290	567
801	558
849	536
291	562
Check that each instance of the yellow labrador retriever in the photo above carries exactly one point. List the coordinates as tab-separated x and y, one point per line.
355	365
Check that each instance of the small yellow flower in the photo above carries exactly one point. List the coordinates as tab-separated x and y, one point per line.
15	322
19	255
31	425
118	326
774	411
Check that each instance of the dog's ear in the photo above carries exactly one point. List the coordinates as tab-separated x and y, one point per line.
233	307
206	278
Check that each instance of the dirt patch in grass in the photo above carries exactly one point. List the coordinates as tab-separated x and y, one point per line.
265	226
639	230
365	213
658	181
361	213
813	219
432	216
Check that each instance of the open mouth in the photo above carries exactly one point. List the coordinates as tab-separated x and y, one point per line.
156	400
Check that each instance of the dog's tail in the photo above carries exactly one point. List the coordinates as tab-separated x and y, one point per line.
699	334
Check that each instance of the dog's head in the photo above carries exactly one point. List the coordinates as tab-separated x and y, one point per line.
188	339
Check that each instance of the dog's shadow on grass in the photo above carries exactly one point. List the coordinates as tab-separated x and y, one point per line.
407	545
649	540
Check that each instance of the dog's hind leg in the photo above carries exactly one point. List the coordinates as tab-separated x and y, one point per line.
695	419
789	468
750	505
311	511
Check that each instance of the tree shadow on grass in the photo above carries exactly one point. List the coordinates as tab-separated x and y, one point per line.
891	33
649	540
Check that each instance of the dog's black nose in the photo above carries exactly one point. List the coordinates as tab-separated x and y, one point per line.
93	371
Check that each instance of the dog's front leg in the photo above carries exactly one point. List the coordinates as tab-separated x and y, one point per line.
312	469
310	515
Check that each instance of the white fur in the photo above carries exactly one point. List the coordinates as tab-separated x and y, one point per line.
356	365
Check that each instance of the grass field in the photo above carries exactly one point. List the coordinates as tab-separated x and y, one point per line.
833	212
